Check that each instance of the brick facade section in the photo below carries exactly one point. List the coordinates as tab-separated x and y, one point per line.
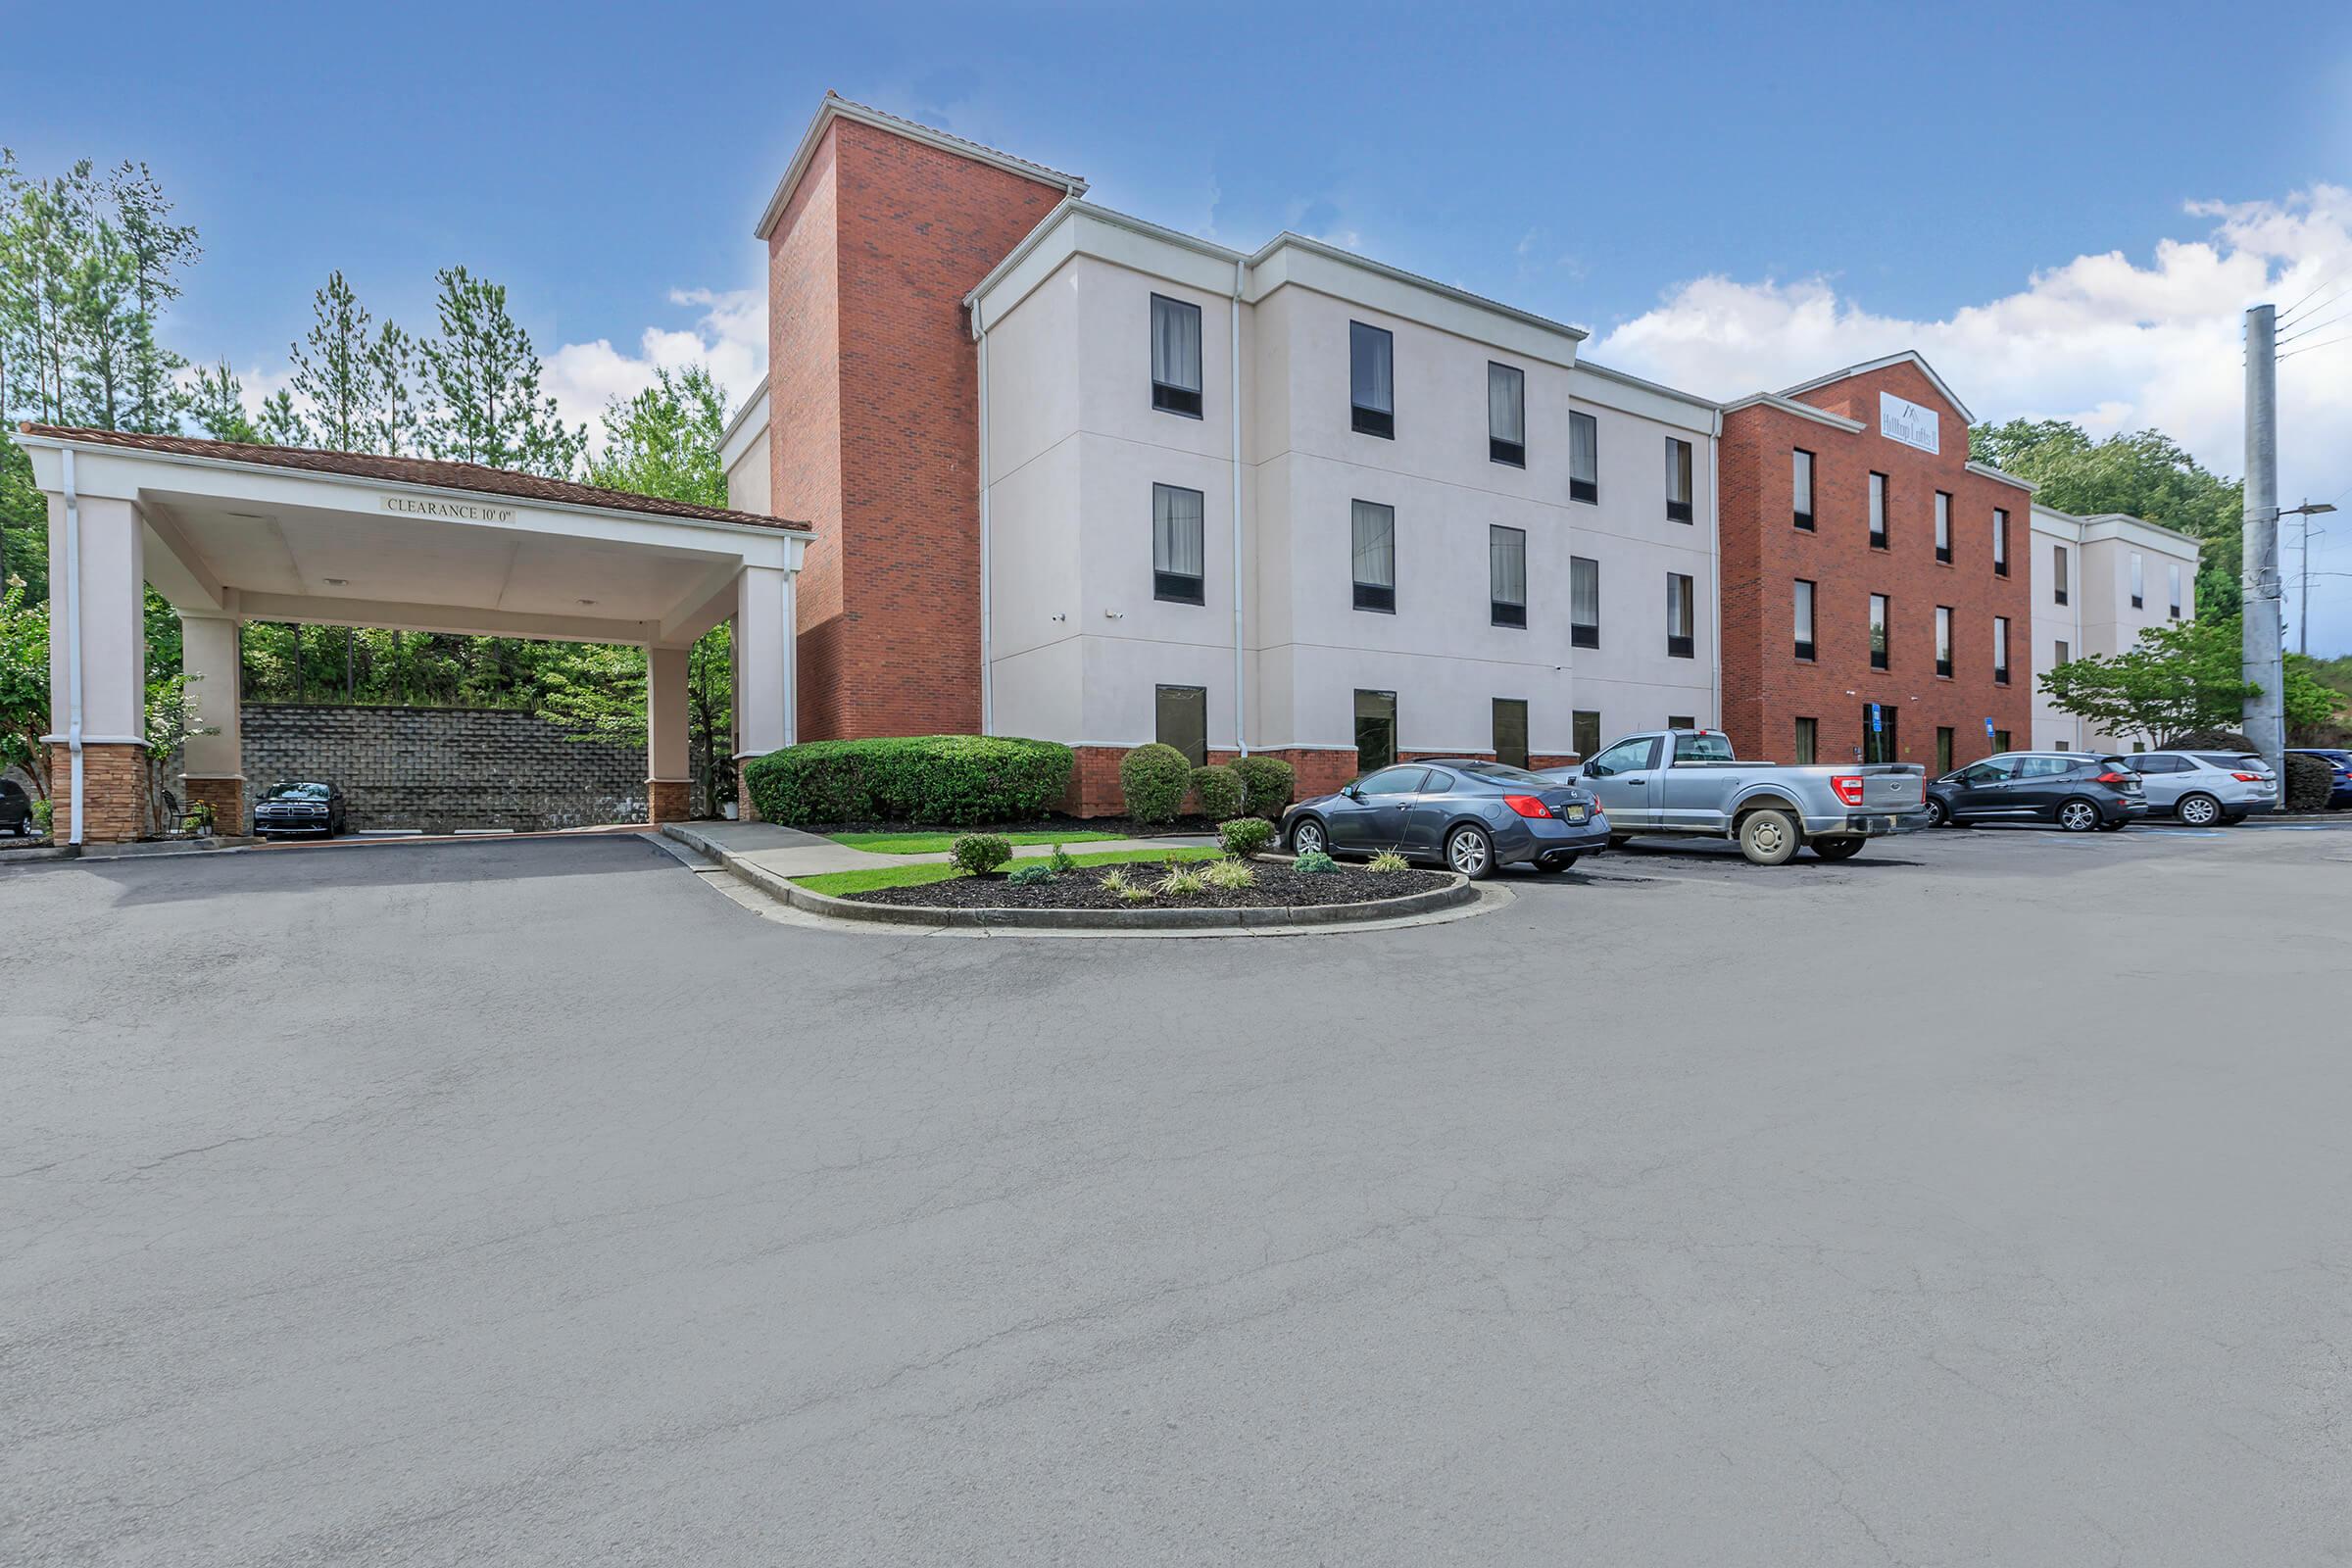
668	800
874	422
1766	688
113	793
226	795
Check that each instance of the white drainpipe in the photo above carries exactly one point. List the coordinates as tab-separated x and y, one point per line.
1715	551
1241	683
74	644
988	682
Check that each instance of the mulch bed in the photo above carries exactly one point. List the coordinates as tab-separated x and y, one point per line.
1115	826
1278	887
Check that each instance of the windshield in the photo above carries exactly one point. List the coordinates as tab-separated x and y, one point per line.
1705	746
1503	773
298	792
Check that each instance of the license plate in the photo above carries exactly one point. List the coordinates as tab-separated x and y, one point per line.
1571	813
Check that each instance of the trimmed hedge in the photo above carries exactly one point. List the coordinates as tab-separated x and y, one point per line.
1267	785
2309	780
947	780
1153	779
1219	790
2214	740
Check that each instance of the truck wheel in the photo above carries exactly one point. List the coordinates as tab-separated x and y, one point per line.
1768	837
1838	848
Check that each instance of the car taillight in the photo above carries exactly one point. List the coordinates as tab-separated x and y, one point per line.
2112	778
1527	806
1848	787
2247	778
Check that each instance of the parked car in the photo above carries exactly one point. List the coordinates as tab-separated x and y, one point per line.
15	809
1466	814
2079	790
1688	781
300	807
2339	771
2202	788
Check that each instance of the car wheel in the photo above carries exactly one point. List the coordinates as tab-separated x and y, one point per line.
1845	849
1938	814
1768	838
1470	852
2078	816
1306	837
2198	811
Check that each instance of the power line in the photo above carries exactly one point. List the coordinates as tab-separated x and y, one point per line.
2336	293
2333	273
2307	347
2315	326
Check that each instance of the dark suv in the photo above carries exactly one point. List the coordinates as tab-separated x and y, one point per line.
300	807
15	809
2079	790
2339	771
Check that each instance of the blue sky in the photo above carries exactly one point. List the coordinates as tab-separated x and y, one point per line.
1724	193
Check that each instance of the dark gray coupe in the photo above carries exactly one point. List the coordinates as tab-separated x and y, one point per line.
1465	815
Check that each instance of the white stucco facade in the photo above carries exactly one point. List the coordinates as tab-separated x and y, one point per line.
2101	555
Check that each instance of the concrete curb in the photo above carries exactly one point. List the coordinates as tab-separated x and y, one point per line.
143	848
1458	890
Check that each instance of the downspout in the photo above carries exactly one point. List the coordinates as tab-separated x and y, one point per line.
1715	550
73	646
988	681
1240	682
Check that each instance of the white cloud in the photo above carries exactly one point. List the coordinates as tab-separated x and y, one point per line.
729	335
2103	340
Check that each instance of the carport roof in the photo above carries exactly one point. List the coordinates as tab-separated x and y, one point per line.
429	473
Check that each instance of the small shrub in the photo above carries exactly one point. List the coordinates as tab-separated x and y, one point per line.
1182	880
977	854
1388	860
1267	785
946	779
1219	790
45	811
1314	863
1063	861
2308	782
1228	876
2213	740
1245	836
1035	875
1114	881
1153	778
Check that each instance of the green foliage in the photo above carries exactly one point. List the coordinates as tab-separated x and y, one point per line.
198	818
1034	874
1388	862
978	853
1219	790
44	813
1061	862
664	440
1314	863
2215	740
332	373
483	385
916	873
1116	881
1182	881
1228	875
24	526
1245	836
1152	778
2180	677
952	779
2309	780
216	400
24	684
1267	784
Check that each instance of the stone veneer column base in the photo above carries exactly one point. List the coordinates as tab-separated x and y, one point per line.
226	795
745	810
114	791
668	800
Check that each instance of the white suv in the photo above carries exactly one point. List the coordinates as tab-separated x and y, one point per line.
2205	788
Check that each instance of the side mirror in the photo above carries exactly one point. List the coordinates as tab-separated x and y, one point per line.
1352	792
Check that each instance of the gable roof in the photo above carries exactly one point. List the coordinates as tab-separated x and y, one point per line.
836	107
1906	357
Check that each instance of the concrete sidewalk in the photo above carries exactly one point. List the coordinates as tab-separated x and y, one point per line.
786	851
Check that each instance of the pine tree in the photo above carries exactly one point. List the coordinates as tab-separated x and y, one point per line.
482	378
333	375
392	392
281	423
216	400
156	249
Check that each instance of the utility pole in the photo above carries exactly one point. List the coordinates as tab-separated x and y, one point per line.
2262	658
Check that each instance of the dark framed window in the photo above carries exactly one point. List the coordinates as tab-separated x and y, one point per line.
1944	640
1808	741
1180	719
2058	584
2172	584
1372	379
1372	530
1681	722
1879	742
1584	457
1878	631
2138	592
1178	549
2060	653
2000	741
1584	603
1175	356
1681	616
1583	731
1877	512
2000	649
1678	479
2001	542
1507	575
1375	730
1506	414
1510	730
1801	464
1804	618
1943	527
1944	751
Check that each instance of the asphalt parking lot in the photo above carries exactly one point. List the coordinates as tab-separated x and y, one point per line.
1985	1198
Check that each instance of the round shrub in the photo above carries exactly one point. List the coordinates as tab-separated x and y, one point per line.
950	780
1219	790
979	853
1316	864
1153	779
2308	782
1034	874
2213	740
1245	836
1267	785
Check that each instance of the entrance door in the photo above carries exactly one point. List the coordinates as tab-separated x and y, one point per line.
1375	730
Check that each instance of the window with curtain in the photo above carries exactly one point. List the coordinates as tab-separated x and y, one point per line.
1877	512
1807	738
1507	575
1175	356
1583	601
1180	719
1678	480
1510	731
1584	457
1800	464
1944	751
1944	639
1506	414
2138	594
2000	649
1179	552
2172	586
1372	529
1681	616
1371	379
1804	619
2060	655
1943	527
1878	631
2058	573
2001	542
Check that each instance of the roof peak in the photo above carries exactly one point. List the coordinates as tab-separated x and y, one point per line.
833	106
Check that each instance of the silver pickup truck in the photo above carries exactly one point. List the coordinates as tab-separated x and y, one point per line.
1686	781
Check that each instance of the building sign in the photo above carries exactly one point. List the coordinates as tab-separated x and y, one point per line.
436	507
1907	422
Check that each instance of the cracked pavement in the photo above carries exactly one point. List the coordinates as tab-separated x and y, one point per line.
1986	1200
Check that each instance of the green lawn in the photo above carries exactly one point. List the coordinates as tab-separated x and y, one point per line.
839	883
940	843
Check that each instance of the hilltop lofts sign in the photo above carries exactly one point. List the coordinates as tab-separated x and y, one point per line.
1907	422
436	507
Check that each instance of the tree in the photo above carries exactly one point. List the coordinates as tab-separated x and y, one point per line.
2142	473
281	423
24	684
664	440
334	374
158	249
216	400
2178	677
482	380
392	392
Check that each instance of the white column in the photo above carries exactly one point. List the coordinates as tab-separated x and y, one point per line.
764	661
665	716
108	566
208	655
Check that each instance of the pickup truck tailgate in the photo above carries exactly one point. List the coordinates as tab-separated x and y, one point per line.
1894	787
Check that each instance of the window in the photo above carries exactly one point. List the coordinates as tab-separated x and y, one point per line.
1180	719
1678	479
1175	356
1584	603
1944	751
2000	649
1878	631
1626	756
1944	640
1506	414
2058	574
1879	743
1510	731
1801	461
1943	527
2063	654
1507	575
1372	379
1681	614
1584	457
1808	739
2172	587
1690	746
2138	596
1877	512
1177	547
1375	730
2001	542
1405	780
2001	740
1583	731
1373	530
1804	619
